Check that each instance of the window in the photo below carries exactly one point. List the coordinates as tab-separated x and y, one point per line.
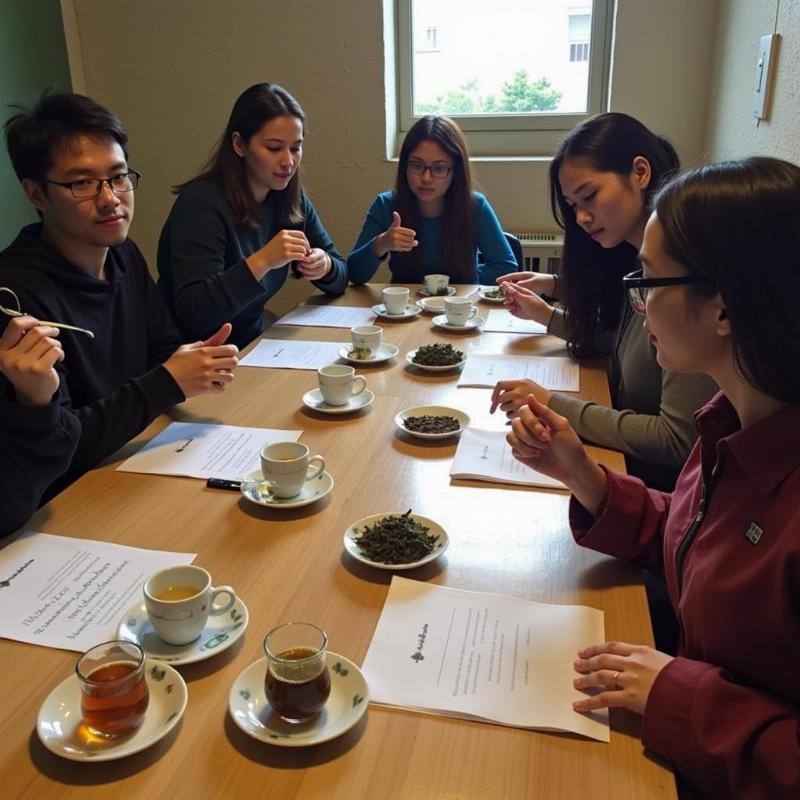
515	74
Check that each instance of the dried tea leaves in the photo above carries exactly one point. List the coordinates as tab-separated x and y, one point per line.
432	423
438	355
396	539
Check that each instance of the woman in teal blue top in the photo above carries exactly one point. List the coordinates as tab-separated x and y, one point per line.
237	228
432	222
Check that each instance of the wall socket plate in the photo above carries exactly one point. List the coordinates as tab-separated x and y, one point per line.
765	67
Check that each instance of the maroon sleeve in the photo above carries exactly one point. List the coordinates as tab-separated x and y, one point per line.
726	739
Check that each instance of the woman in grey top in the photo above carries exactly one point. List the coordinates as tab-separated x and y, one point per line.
601	181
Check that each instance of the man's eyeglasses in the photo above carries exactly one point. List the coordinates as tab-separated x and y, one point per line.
437	170
638	286
91	187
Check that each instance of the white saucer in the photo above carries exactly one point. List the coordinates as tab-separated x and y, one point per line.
427	367
315	402
471	324
247	704
256	492
219	634
451	290
483	294
433	305
384	353
60	726
434	411
411	310
435	529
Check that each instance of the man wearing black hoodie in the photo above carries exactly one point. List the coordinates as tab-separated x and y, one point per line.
77	266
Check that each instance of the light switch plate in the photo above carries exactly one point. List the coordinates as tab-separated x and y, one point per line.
765	64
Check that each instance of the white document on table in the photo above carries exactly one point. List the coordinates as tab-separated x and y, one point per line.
553	372
72	593
504	321
281	354
328	316
202	450
486	456
482	656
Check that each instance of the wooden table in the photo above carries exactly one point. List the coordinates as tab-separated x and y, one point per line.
290	565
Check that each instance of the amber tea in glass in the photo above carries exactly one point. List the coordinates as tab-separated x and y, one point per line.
114	693
297	682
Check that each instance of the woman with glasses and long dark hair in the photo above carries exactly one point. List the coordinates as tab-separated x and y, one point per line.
433	222
601	182
237	227
726	711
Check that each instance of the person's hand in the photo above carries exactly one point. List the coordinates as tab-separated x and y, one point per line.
526	304
511	395
395	238
28	355
546	442
626	671
205	366
317	264
538	282
284	247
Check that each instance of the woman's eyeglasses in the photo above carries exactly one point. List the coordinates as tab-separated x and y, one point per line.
638	286
437	170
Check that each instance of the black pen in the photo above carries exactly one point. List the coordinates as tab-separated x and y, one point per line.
222	483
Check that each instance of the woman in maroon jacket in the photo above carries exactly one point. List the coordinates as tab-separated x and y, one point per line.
720	288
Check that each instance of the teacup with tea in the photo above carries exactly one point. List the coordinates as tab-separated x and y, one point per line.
114	693
297	682
437	284
285	467
459	310
179	601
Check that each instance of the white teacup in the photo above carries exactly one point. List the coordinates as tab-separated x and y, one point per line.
285	465
338	383
179	600
366	340
459	310
435	283
395	298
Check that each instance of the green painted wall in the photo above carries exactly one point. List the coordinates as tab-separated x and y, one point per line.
33	57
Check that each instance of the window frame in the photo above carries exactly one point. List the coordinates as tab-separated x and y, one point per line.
508	135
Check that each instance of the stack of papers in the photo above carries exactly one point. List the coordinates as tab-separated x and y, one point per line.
482	656
486	456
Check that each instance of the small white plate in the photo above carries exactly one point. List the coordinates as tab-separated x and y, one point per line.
433	411
316	402
471	324
219	634
433	305
384	353
435	529
61	729
248	706
410	360
451	290
484	295
411	310
254	490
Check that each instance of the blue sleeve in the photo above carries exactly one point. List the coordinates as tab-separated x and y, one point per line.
362	263
496	258
335	282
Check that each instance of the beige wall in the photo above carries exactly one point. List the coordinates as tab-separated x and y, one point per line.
171	70
733	130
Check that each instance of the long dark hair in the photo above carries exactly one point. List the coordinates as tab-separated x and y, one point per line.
253	108
591	276
458	242
734	224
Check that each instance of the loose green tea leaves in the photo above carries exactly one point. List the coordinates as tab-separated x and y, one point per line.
396	539
438	355
360	353
430	423
495	294
440	292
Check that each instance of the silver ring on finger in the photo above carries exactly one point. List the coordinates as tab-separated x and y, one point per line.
614	679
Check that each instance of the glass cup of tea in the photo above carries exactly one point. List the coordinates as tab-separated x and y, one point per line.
297	682
114	694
